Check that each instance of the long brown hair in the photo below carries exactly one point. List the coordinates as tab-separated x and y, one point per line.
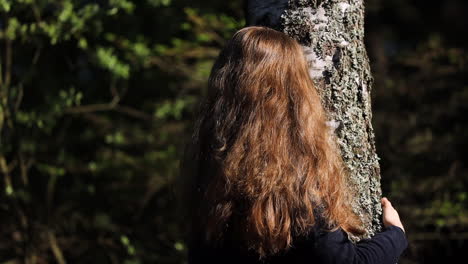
266	159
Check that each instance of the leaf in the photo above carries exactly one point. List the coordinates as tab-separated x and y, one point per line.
108	60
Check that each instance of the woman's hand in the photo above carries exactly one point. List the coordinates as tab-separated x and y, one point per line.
390	215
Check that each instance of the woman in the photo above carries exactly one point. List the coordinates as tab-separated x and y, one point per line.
269	185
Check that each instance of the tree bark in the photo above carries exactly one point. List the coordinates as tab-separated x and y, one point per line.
331	33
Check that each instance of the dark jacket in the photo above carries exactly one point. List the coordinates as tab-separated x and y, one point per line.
265	12
319	247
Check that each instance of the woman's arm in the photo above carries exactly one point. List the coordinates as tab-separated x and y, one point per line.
384	248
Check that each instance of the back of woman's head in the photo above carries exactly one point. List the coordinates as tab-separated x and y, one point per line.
266	158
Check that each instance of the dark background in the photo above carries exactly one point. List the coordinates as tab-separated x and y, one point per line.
97	99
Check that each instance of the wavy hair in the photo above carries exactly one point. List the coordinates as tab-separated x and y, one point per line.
266	159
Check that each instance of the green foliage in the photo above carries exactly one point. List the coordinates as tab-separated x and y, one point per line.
108	60
429	142
419	106
160	2
95	106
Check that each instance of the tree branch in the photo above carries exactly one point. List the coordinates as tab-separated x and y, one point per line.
55	247
8	62
129	111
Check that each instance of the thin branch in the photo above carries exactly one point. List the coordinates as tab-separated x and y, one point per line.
98	120
113	105
115	94
36	56
89	108
24	168
19	97
176	68
8	62
37	13
133	112
55	248
5	171
109	107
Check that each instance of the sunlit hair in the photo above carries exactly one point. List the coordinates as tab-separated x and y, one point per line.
266	158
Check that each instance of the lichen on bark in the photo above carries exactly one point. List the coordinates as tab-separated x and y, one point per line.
331	33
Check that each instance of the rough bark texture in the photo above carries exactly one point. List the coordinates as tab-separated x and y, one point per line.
331	33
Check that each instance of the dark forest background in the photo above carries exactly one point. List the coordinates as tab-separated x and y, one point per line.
97	99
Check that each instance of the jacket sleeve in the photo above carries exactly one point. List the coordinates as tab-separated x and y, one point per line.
384	248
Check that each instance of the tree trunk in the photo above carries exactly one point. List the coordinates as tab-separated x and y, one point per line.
331	33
